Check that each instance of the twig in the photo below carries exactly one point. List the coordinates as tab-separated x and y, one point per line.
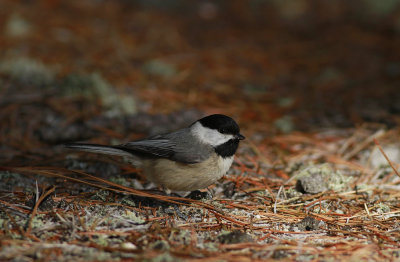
386	157
125	190
277	197
37	192
28	231
364	144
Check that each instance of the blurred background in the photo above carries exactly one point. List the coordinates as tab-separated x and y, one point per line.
311	83
275	66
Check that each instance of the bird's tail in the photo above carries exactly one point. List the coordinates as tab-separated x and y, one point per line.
107	150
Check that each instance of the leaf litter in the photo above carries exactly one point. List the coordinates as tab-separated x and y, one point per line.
330	194
258	211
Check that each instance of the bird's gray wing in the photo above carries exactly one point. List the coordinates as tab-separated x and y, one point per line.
188	149
150	147
178	146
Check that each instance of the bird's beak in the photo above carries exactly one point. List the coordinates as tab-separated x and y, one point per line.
240	136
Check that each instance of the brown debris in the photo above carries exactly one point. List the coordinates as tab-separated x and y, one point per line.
312	84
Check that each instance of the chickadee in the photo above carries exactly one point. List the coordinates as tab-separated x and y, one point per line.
185	160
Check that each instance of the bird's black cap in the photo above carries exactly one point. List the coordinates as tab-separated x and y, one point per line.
224	124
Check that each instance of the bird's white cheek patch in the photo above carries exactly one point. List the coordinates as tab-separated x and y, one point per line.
210	136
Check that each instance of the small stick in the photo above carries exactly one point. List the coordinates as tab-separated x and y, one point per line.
386	157
364	144
277	197
37	192
28	231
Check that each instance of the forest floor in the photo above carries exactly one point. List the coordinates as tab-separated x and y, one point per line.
315	95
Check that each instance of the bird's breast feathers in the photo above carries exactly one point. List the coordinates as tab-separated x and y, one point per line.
186	177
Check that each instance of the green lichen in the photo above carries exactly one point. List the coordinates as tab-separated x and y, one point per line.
37	221
292	192
120	180
94	86
127	200
134	217
101	240
28	71
164	257
382	208
101	195
17	26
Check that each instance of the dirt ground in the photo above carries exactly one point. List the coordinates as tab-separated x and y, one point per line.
313	85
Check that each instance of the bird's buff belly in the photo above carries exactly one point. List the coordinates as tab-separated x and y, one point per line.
186	177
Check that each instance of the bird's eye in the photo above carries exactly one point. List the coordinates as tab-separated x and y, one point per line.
221	130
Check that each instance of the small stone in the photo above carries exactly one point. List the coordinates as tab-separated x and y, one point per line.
160	245
279	254
129	245
229	189
198	195
235	237
320	178
313	184
309	224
